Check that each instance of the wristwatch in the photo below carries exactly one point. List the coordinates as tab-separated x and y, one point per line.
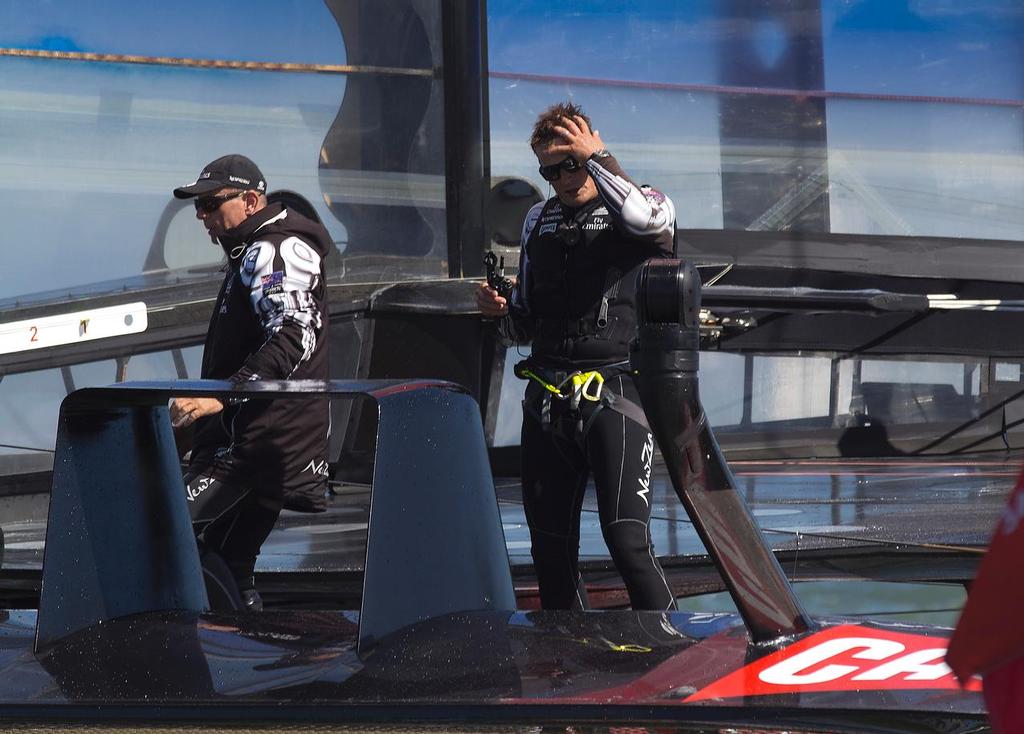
603	153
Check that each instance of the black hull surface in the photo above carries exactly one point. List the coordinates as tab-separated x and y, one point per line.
643	668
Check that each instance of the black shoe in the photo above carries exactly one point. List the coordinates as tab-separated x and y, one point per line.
252	601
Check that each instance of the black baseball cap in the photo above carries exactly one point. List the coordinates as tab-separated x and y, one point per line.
231	171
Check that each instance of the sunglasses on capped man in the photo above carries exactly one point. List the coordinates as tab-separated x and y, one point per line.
210	204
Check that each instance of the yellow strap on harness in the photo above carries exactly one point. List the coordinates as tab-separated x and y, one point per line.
581	382
544	383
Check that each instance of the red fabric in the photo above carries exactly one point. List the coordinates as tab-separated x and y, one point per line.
990	632
1004	697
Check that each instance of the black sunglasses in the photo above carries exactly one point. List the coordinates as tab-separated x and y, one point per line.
554	171
210	204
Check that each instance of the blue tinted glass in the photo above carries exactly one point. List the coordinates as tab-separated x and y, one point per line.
925	47
267	30
852	116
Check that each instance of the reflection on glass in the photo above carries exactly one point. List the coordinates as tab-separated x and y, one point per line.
666	139
30	401
914	372
894	392
99	148
893	118
923	169
28	406
94	149
173	364
934	145
937	604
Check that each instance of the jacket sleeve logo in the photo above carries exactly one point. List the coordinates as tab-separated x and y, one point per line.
273	283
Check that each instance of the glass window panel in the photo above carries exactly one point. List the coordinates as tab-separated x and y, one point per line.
94	149
920	103
28	410
153	366
663	136
947	159
844	398
138	133
914	372
160	29
974	377
93	374
787	388
1007	372
905	392
30	401
924	47
645	39
193	361
926	169
722	391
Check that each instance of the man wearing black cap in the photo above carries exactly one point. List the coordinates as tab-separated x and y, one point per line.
252	457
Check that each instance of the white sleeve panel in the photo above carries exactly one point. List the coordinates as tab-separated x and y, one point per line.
285	296
643	212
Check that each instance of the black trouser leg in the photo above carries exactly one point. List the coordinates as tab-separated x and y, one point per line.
239	541
621	453
554	477
232	521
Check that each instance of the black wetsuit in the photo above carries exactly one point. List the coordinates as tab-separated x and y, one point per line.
269	322
575	300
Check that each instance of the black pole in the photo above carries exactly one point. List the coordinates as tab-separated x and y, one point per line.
664	358
467	132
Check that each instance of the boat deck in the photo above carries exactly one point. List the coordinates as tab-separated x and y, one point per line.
899	504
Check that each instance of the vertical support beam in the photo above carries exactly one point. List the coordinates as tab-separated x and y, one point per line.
746	417
68	378
858	407
466	132
833	392
180	368
492	374
664	358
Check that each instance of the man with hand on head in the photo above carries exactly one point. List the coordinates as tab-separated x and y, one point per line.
252	457
574	298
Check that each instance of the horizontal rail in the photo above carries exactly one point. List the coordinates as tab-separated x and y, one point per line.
294	67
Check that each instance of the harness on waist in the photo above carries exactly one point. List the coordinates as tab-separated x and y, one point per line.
573	386
576	387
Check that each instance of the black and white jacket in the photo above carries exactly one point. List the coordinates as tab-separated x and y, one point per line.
270	322
575	297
